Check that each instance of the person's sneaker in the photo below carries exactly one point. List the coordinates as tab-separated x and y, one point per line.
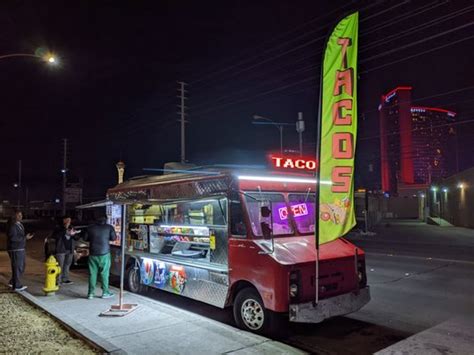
10	285
108	295
67	282
22	288
90	297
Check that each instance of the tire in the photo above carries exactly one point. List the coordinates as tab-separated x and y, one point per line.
133	280
250	313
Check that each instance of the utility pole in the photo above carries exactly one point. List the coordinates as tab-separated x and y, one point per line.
64	172
300	130
182	114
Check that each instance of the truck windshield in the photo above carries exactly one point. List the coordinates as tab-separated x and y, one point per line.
256	200
302	208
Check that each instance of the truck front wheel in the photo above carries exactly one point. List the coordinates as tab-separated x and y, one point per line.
250	313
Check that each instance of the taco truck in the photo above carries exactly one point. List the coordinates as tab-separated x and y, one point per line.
241	239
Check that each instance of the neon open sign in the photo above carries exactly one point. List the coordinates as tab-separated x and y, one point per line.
299	163
298	210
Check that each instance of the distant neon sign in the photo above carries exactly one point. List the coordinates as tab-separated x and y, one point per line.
389	97
298	163
298	210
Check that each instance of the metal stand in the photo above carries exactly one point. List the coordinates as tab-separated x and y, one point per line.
121	309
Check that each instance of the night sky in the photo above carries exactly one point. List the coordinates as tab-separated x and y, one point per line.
114	93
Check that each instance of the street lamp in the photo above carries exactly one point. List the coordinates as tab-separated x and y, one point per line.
48	58
278	125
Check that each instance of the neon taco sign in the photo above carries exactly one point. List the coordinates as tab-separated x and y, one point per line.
293	163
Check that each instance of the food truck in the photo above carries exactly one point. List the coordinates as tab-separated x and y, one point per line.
235	239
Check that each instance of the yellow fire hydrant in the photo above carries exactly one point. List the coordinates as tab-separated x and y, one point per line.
52	272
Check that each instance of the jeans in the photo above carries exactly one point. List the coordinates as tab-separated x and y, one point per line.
65	262
17	259
99	265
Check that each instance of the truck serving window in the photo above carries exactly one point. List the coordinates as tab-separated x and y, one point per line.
302	209
199	212
281	223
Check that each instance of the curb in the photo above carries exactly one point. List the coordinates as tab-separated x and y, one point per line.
71	325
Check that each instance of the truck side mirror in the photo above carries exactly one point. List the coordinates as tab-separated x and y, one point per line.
265	211
266	230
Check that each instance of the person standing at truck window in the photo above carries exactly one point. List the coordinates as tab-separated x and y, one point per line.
99	235
64	236
16	244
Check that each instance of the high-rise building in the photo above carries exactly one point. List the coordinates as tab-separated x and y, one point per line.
415	142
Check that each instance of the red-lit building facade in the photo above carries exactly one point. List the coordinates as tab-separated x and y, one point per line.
415	141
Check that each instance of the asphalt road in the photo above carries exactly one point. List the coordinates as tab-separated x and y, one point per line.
419	276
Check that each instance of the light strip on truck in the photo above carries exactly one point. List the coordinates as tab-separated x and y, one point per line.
282	179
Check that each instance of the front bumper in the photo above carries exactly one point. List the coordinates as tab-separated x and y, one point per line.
330	307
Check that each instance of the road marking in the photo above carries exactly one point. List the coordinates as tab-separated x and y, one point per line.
421	258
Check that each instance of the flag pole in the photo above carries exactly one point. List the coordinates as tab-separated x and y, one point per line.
121	309
329	125
318	173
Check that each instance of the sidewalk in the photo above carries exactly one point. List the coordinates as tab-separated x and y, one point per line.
451	337
154	328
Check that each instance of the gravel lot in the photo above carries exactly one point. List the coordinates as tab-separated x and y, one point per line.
27	330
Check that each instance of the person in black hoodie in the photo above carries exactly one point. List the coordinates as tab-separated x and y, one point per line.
64	236
16	244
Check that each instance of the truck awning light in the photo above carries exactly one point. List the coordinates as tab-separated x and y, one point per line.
282	179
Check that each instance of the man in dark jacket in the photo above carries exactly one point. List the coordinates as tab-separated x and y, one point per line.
16	243
64	236
99	235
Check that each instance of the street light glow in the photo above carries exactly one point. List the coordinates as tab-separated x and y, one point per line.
52	60
461	186
445	189
434	188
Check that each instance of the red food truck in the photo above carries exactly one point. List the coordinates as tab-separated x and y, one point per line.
235	239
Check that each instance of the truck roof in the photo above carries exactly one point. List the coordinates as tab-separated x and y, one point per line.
206	173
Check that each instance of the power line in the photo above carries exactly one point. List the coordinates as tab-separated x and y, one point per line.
272	49
419	41
363	72
416	55
425	8
367	59
417	28
312	41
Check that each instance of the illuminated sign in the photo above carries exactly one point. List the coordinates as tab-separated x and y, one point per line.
297	163
436	109
389	97
298	210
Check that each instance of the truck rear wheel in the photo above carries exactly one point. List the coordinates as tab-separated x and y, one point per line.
133	280
250	313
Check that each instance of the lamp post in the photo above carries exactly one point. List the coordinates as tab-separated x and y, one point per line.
48	58
278	125
51	60
300	129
